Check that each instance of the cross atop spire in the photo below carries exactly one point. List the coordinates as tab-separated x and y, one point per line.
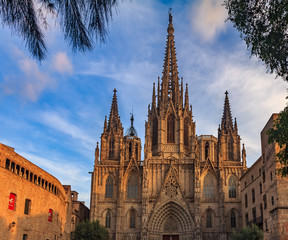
227	122
114	122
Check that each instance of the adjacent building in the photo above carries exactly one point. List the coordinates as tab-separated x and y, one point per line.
34	204
187	186
264	193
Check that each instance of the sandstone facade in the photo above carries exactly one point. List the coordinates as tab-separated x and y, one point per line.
187	186
264	193
34	205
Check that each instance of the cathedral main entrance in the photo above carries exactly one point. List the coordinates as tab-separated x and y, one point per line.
170	237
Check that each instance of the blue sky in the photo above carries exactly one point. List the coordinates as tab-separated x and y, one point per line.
53	113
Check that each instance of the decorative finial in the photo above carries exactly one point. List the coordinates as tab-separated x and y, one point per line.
170	15
114	90
226	93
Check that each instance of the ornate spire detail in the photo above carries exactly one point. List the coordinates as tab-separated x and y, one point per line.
158	92
96	155
186	105
243	156
227	122
153	98
235	125
131	130
114	122
170	79
105	124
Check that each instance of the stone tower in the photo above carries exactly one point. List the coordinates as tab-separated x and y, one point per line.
187	186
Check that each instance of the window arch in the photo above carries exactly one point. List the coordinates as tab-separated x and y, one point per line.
208	187
132	218
130	150
209	215
136	151
132	187
232	187
109	187
171	129
206	150
111	149
155	132
186	132
233	219
108	219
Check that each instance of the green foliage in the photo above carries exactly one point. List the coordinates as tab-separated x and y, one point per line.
248	233
82	22
279	134
263	24
90	231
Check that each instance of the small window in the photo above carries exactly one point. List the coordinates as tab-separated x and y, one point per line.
272	201
233	219
25	237
245	184
260	171
263	176
206	150
252	178
111	149
265	201
186	132
253	195
260	187
108	220
155	132
50	215
17	169
12	202
132	218
271	176
246	200
12	169
209	219
7	166
27	208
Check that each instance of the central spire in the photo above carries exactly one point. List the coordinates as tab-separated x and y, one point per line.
170	79
227	122
114	122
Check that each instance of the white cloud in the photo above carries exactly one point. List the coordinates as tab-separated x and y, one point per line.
30	84
54	120
62	64
208	18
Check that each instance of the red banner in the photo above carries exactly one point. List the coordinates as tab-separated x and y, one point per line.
50	215
12	200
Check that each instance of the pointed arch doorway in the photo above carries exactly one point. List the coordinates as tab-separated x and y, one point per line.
171	229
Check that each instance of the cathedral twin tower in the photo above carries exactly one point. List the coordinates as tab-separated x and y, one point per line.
187	186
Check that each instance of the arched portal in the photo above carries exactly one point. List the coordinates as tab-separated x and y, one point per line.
171	221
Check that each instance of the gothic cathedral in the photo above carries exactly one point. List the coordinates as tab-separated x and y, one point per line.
187	186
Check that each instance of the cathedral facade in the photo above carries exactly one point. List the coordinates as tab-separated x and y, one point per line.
187	186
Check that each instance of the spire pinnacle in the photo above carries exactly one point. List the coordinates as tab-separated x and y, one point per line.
170	79
227	122
131	132
114	122
186	105
153	97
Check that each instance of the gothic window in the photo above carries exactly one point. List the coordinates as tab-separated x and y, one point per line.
206	150
233	219
111	149
132	218
108	219
155	132
209	218
136	151
109	187
171	129
230	149
232	187
130	150
132	187
186	132
208	187
253	195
